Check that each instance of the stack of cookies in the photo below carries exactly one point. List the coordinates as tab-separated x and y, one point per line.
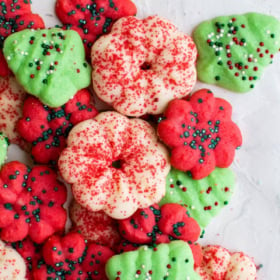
149	173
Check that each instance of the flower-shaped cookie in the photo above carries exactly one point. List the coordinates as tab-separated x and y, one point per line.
96	227
160	225
219	264
30	203
15	15
70	258
200	133
12	97
92	18
48	128
142	65
12	266
115	164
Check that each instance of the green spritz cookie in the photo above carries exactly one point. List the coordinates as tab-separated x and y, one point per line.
4	143
48	63
173	261
234	50
203	198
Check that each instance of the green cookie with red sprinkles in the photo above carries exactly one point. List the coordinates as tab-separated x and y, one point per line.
203	199
53	61
30	203
15	15
47	128
71	257
234	50
92	18
165	261
200	133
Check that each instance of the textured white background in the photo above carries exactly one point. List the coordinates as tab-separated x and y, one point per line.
251	222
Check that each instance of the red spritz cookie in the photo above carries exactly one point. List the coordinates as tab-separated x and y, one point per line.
115	164
47	128
142	65
200	133
160	225
30	203
96	227
70	257
16	15
92	18
219	264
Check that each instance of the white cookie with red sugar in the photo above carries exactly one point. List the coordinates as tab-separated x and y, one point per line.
12	96
219	264
12	265
142	65
96	227
115	164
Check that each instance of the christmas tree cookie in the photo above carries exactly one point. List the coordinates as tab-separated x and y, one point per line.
234	50
4	143
49	64
173	261
203	198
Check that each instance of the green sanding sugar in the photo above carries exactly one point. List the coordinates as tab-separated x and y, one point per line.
48	63
203	198
234	50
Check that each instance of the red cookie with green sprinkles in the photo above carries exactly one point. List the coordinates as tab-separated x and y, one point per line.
92	18
160	225
30	203
47	128
30	252
71	257
234	50
16	15
200	133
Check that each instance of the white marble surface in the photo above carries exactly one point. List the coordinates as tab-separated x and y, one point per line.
251	222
